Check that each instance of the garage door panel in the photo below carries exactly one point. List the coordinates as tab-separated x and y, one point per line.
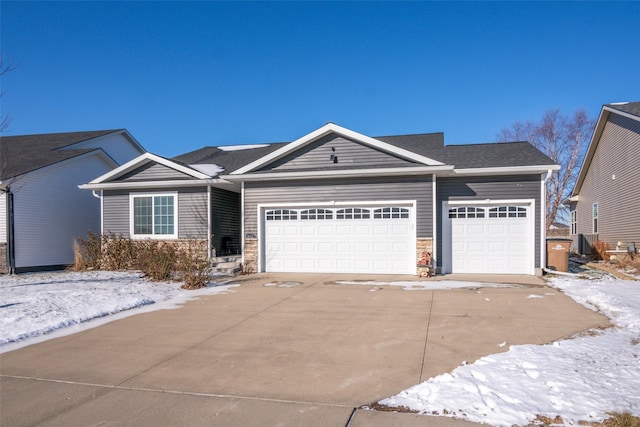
485	242
355	242
324	247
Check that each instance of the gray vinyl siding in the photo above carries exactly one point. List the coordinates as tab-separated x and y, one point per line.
192	212
417	188
495	188
349	153
152	172
618	199
225	220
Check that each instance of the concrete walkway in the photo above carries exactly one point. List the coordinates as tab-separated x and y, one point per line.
303	350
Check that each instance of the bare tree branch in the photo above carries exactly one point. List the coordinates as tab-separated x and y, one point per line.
564	139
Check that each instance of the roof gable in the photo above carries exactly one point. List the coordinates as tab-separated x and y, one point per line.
150	167
629	110
337	131
334	151
25	153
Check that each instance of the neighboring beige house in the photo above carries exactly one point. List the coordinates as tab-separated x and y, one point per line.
605	203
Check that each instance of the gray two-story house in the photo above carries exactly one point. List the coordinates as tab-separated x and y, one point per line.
336	200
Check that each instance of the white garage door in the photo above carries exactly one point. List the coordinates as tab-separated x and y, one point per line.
494	239
340	240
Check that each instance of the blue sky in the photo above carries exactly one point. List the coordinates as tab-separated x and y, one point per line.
180	76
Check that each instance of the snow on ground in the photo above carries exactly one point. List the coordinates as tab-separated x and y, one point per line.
35	307
583	378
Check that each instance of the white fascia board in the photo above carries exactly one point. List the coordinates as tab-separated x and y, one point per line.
333	128
158	184
143	159
348	173
509	170
621	113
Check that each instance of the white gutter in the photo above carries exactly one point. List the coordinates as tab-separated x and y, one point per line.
509	170
156	184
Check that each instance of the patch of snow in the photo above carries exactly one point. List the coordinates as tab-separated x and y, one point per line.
533	296
39	306
208	169
579	379
241	147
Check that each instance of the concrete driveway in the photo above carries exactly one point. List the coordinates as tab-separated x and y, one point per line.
303	350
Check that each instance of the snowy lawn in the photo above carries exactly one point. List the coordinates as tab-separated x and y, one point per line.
579	379
39	306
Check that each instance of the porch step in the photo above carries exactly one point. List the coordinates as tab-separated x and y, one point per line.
230	264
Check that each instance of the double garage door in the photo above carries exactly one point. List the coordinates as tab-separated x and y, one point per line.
490	239
353	239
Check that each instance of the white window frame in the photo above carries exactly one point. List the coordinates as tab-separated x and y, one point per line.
174	235
594	218
573	218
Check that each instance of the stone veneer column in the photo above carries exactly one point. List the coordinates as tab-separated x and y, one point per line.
4	268
250	256
423	245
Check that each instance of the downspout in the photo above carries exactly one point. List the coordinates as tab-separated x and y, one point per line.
11	251
209	249
543	221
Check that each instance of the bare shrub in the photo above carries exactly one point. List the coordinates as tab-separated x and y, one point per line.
622	419
193	265
600	249
87	253
157	260
118	252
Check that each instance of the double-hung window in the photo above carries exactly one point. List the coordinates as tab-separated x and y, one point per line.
574	223
154	215
595	218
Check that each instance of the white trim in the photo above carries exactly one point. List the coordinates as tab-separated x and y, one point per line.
621	113
242	227
508	170
144	159
326	130
543	221
209	223
261	207
346	173
446	226
161	184
173	236
434	210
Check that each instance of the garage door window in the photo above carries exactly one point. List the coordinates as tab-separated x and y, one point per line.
466	212
282	215
383	213
508	212
316	214
390	212
353	213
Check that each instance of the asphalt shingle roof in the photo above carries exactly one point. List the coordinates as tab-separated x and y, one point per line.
26	153
431	145
629	107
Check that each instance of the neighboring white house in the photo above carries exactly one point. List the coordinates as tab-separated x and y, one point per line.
42	211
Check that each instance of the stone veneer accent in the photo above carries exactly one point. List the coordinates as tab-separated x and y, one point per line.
250	256
4	268
423	245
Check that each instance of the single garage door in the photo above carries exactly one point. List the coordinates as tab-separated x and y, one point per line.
491	239
356	239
